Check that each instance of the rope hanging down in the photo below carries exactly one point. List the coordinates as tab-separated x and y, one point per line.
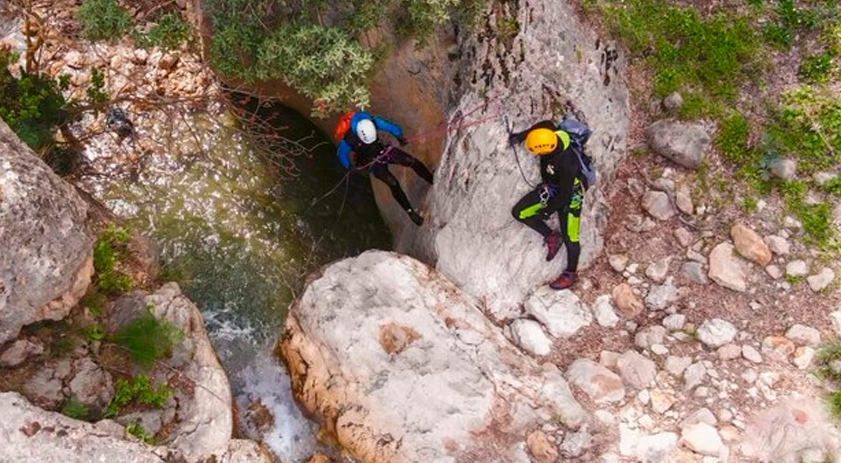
510	129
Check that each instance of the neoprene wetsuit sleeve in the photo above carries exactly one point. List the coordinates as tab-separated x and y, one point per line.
344	154
389	127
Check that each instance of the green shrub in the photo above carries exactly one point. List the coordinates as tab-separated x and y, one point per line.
816	218
834	401
75	409
32	105
137	430
148	339
732	139
169	32
107	252
104	20
818	68
139	390
809	126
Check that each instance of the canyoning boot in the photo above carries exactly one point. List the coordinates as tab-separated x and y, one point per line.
553	242
416	218
564	281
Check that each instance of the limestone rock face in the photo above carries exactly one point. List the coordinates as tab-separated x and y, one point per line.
46	259
470	234
435	398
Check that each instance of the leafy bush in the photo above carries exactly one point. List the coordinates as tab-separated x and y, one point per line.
75	409
169	32
148	339
139	390
104	20
109	249
137	430
32	105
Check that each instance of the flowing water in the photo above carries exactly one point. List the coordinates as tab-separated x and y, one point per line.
240	238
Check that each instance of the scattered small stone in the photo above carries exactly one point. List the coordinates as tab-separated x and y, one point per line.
674	322
792	223
608	358
750	375
683	199
673	102
657	271
769	378
656	448
661	400
694	272
778	245
835	318
576	443
646	422
605	417
750	245
729	352
639	224
702	392
684	237
694	375
677	365
778	348
803	357
774	271
603	311
819	281
636	370
725	415
683	143
658	205
731	433
726	269
751	354
649	336
618	262
626	301
664	184
662	296
716	332
541	448
783	168
599	383
561	312
529	335
702	415
702	438
805	335
797	268
643	397
696	256
660	350
19	351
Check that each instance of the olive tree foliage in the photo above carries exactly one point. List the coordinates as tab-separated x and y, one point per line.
313	45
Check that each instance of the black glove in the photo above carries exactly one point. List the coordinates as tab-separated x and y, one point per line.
402	141
516	138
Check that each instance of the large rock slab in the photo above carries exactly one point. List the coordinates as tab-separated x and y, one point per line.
470	235
561	312
433	396
46	259
205	418
682	142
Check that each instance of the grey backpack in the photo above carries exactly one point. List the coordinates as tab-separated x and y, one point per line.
579	133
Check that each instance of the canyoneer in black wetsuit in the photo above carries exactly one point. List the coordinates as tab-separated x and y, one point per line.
373	155
561	191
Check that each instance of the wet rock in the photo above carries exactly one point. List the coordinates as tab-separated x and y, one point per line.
726	269
676	365
603	311
626	301
561	312
694	272
797	268
783	168
778	245
599	383
529	335
683	143
43	274
821	280
716	332
803	357
683	199
751	354
91	385
636	370
778	348
750	245
541	448
358	393
662	296
18	352
702	438
694	375
804	335
658	205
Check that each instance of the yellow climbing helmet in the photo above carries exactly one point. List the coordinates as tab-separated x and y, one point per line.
545	141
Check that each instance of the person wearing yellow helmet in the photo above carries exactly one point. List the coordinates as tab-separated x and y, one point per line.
561	190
